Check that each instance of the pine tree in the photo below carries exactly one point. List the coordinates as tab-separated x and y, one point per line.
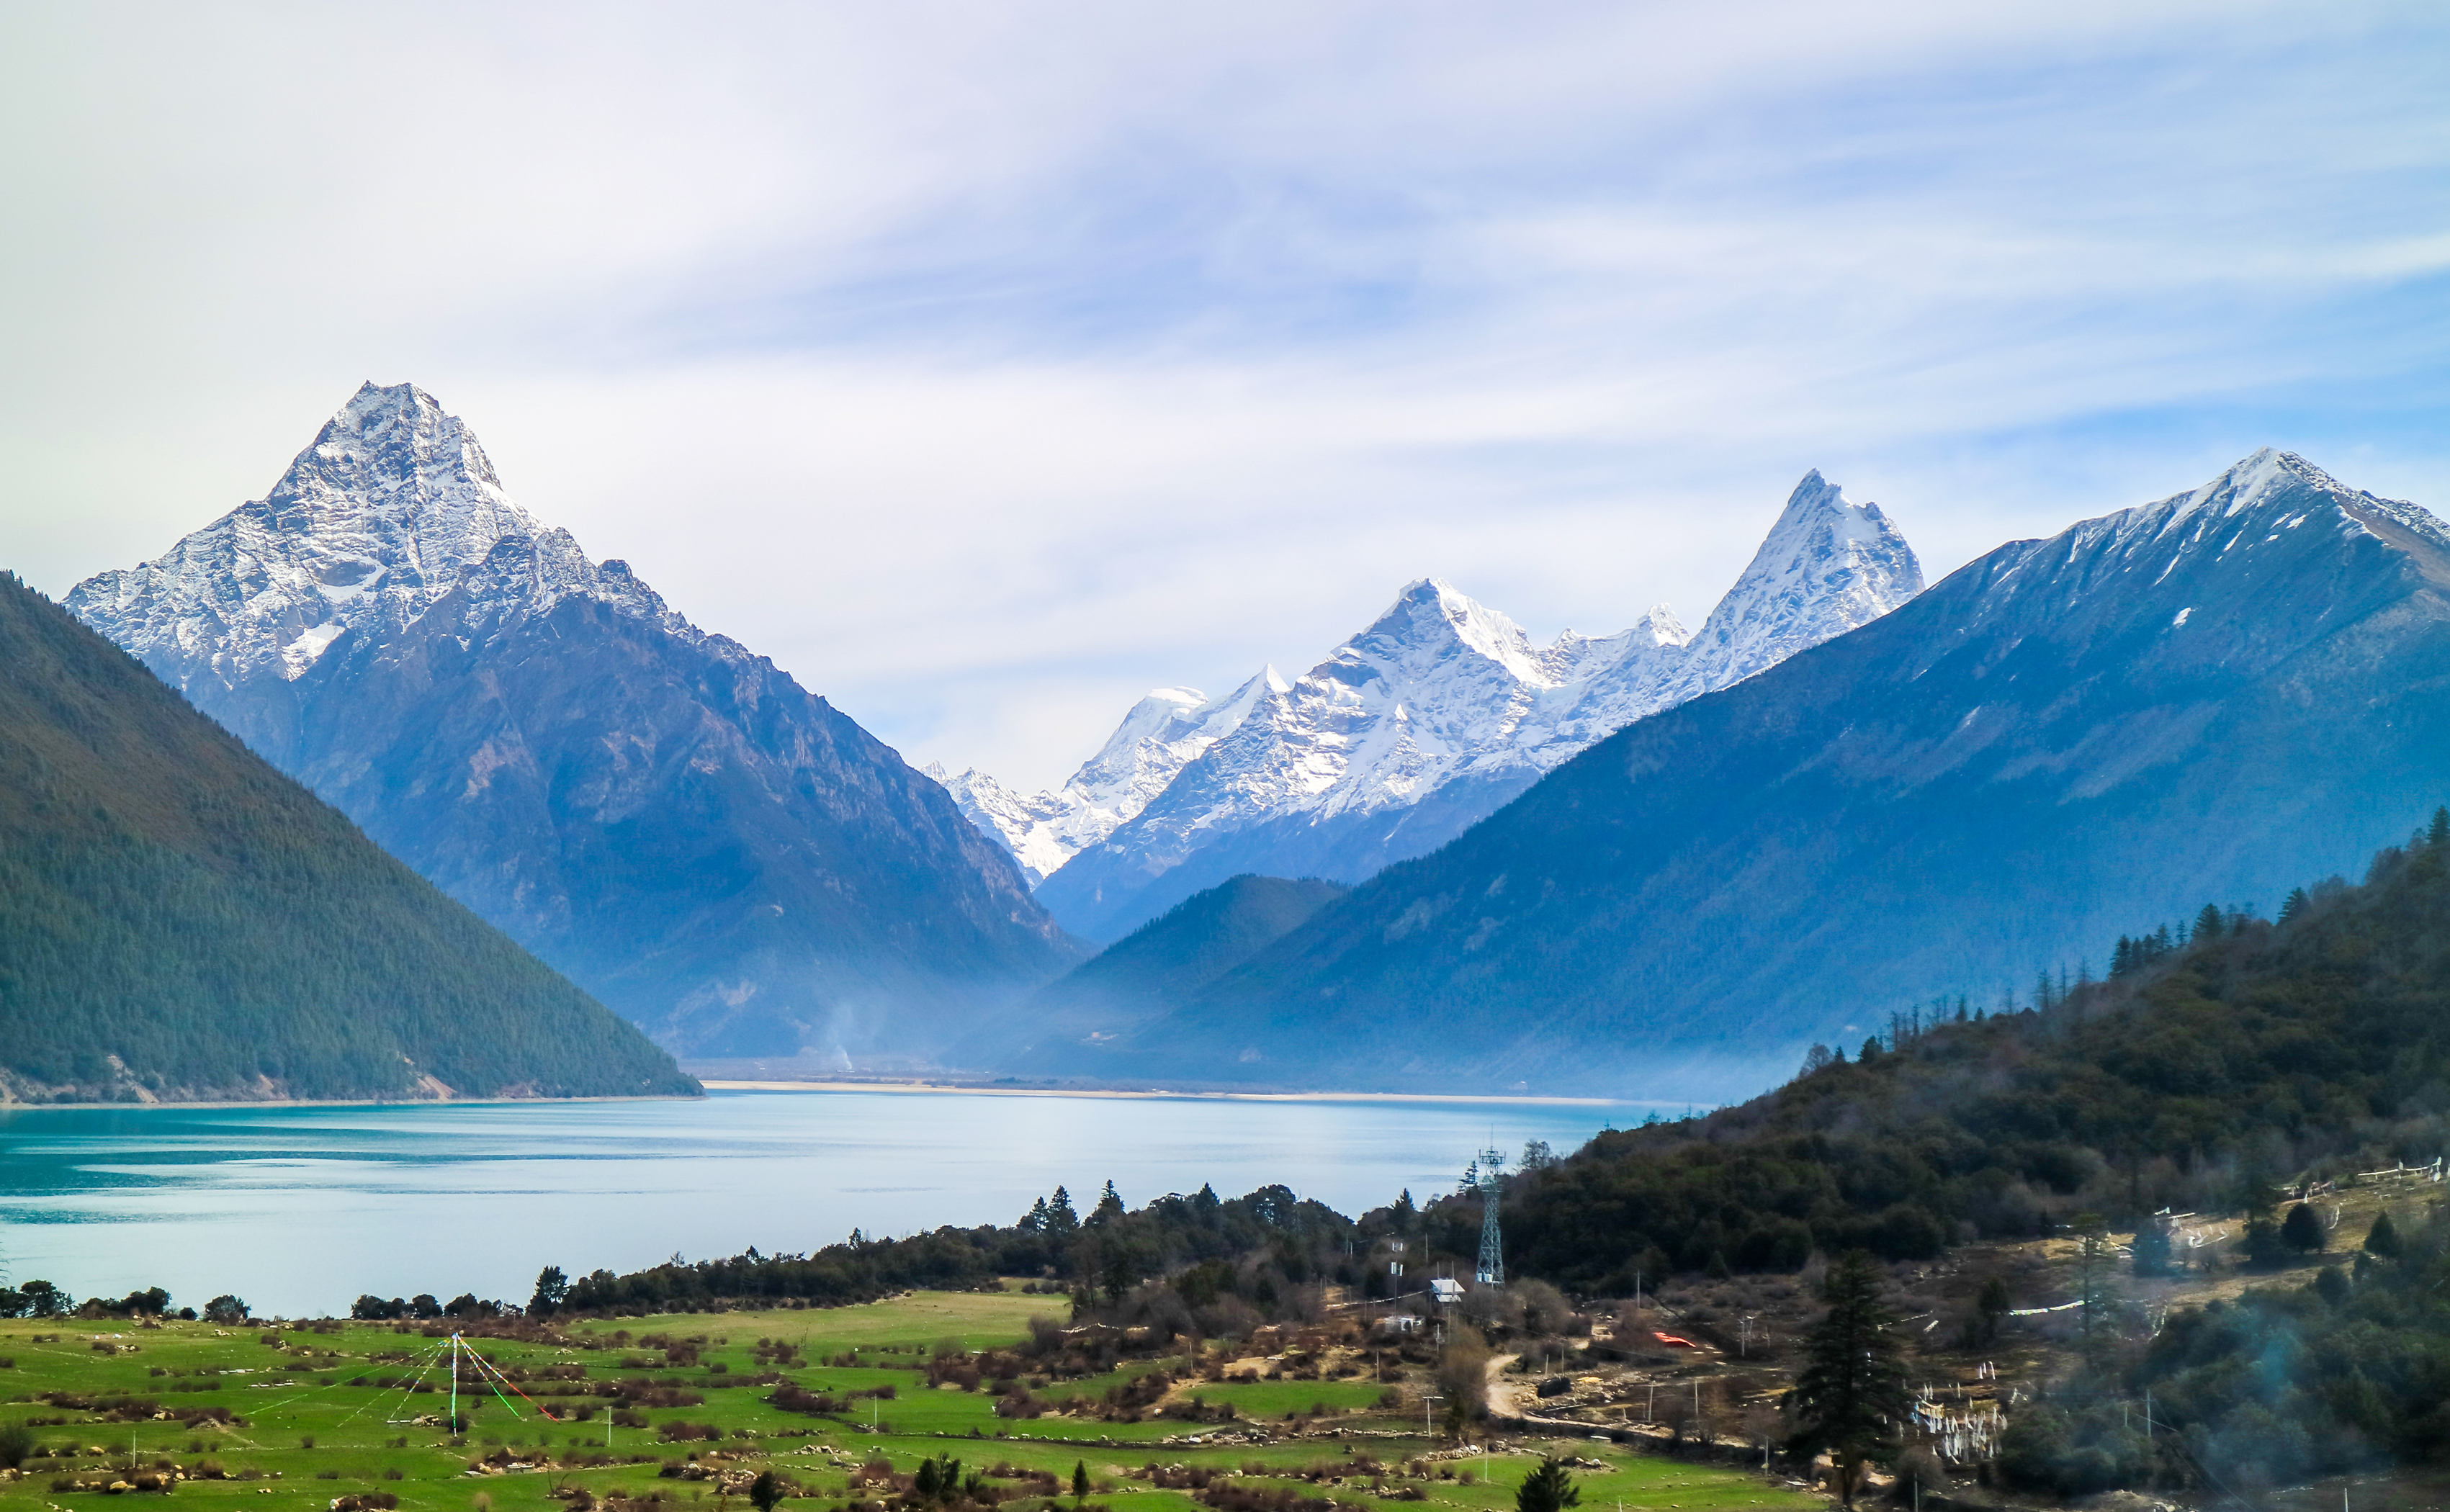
2440	833
1061	1222
2302	1230
1080	1479
1992	1307
2297	903
2382	1238
1549	1488
1853	1385
2207	923
1110	1205
2152	1248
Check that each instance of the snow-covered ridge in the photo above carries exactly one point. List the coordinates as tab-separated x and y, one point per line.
1442	689
392	508
2260	503
1164	732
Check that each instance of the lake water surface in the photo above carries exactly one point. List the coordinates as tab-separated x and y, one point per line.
300	1209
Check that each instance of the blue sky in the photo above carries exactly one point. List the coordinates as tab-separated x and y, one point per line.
987	365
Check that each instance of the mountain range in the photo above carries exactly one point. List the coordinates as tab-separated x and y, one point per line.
670	819
179	922
2207	697
1426	722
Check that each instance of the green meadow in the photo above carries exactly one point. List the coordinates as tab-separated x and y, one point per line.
307	1416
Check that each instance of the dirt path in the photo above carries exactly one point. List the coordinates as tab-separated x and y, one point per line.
1502	1399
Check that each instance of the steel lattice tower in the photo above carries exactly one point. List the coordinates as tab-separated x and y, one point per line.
1492	1248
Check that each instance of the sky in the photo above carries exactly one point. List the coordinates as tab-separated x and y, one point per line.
986	366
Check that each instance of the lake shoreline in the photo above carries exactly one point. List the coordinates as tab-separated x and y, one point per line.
952	1089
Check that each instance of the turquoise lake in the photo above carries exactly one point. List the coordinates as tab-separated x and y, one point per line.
300	1209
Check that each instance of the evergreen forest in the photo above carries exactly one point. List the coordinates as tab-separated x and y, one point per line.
178	919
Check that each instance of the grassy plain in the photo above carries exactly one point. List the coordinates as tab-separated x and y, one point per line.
321	1413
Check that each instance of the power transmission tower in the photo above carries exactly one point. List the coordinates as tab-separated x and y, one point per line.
1492	1248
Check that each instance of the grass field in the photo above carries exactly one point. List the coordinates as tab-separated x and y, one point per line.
299	1418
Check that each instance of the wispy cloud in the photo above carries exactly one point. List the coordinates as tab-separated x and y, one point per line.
987	365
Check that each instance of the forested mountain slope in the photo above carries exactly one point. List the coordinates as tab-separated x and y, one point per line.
178	919
2211	1075
1139	977
2212	695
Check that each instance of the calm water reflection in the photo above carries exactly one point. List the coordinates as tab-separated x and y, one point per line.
299	1209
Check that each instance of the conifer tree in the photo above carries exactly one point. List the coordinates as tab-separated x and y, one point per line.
1080	1479
1547	1488
1853	1385
2151	1248
2207	923
1992	1307
2382	1238
2440	833
2302	1230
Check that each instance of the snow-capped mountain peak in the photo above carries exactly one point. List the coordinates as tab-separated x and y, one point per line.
1432	618
1827	566
1161	734
1441	696
393	507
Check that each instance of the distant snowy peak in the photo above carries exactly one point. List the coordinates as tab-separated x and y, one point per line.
1162	733
1828	566
2216	549
1441	696
392	508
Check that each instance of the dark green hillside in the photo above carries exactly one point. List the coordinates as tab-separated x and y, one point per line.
177	917
2252	1053
1202	936
1140	975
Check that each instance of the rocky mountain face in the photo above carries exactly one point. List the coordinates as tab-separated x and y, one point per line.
1163	734
713	851
2211	698
1442	710
179	922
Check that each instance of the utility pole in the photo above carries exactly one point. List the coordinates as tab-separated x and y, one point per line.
1426	1431
455	1386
